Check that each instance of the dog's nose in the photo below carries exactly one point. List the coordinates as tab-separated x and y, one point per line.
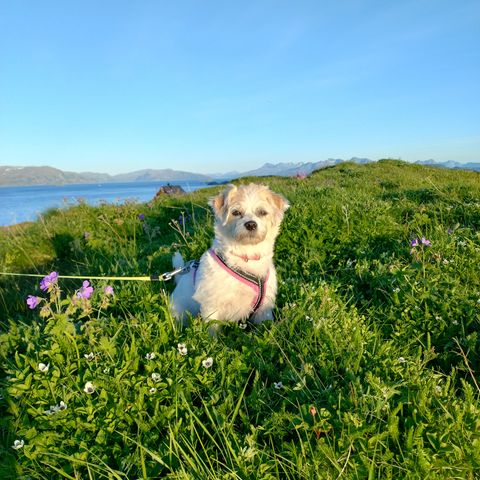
251	225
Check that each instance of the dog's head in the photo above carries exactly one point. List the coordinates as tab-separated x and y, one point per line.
248	214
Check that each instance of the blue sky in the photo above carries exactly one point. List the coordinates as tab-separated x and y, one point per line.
210	86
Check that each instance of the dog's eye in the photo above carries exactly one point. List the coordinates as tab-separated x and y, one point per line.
236	213
262	213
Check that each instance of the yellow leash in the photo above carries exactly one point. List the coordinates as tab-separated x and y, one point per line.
153	278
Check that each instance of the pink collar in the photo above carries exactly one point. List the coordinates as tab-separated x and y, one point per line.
246	258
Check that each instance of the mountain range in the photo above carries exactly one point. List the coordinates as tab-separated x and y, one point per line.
475	166
20	176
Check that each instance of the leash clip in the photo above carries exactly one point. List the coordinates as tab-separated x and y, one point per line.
169	275
179	271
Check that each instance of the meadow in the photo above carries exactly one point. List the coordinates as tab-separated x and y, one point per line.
370	370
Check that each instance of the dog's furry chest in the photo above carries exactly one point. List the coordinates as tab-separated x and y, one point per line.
223	296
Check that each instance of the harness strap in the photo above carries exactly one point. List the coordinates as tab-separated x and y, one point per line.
194	264
258	285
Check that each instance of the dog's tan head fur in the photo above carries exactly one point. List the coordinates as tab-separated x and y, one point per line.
248	214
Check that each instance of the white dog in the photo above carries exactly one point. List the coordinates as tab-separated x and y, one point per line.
235	279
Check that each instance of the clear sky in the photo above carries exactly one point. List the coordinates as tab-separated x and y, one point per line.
211	86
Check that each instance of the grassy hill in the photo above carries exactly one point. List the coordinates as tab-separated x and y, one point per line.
370	370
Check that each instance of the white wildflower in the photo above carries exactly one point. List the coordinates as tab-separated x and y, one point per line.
401	360
182	349
51	410
150	356
396	290
106	370
242	325
56	408
89	388
18	444
208	362
156	377
42	367
278	385
89	356
152	390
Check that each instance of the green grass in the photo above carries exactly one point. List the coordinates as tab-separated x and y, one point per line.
375	342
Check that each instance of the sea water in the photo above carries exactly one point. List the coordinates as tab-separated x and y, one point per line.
22	204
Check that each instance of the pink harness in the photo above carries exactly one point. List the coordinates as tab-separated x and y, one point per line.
258	285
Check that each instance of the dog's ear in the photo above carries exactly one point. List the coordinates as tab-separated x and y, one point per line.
280	203
219	202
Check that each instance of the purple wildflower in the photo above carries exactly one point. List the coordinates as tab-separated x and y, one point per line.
141	217
414	242
108	290
86	290
32	302
426	242
48	281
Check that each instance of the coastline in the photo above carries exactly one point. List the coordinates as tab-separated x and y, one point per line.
23	204
16	226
